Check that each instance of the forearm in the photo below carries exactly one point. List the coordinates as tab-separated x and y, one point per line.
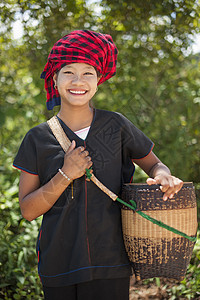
42	199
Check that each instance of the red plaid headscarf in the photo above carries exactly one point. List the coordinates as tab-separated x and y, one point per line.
80	46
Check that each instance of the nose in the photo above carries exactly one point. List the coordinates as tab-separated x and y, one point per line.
77	79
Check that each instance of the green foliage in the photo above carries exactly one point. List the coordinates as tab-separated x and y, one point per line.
157	87
18	274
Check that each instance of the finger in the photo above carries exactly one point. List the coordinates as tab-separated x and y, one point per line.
168	194
178	185
71	147
150	181
166	188
90	164
80	149
167	184
175	185
168	191
85	153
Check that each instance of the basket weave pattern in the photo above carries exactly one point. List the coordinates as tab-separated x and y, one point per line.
153	250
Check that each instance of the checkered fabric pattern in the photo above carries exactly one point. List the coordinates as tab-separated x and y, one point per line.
80	46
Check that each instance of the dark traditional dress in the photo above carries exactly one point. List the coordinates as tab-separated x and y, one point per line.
81	239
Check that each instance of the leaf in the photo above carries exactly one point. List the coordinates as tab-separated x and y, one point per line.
2	285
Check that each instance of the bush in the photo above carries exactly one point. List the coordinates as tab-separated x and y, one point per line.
18	261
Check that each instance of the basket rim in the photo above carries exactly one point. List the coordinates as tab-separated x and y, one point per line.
154	186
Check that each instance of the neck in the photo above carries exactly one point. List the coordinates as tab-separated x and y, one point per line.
76	118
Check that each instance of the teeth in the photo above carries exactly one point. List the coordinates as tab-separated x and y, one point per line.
77	92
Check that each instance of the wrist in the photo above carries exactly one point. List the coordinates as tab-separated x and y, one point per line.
65	175
159	170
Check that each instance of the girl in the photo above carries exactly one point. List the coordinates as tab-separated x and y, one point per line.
80	246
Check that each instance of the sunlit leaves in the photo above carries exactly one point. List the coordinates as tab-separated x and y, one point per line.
157	87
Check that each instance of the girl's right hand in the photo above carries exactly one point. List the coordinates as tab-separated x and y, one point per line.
76	160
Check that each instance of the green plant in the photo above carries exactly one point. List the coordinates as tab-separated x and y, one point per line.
18	261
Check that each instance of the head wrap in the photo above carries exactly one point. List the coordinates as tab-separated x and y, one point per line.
80	46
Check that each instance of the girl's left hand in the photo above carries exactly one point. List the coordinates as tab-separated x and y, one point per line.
170	185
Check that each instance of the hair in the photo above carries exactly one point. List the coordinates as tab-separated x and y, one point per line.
98	73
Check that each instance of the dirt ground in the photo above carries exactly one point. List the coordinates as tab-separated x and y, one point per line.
141	291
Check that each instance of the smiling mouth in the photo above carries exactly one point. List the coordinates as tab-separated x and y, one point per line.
77	92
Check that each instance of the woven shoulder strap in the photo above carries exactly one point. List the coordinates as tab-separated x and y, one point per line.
59	133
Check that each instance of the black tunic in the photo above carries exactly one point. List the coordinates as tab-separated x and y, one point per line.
81	239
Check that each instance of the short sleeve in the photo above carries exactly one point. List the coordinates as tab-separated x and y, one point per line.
136	144
26	158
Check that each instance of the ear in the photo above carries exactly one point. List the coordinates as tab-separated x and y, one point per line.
54	78
99	78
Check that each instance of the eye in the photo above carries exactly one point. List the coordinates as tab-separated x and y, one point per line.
68	72
88	73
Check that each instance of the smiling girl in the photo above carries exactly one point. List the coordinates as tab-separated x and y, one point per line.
76	84
80	247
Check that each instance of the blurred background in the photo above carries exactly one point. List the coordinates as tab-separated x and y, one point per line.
157	87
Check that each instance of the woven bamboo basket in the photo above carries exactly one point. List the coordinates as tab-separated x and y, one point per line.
155	251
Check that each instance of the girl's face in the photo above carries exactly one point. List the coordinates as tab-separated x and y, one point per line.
76	84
